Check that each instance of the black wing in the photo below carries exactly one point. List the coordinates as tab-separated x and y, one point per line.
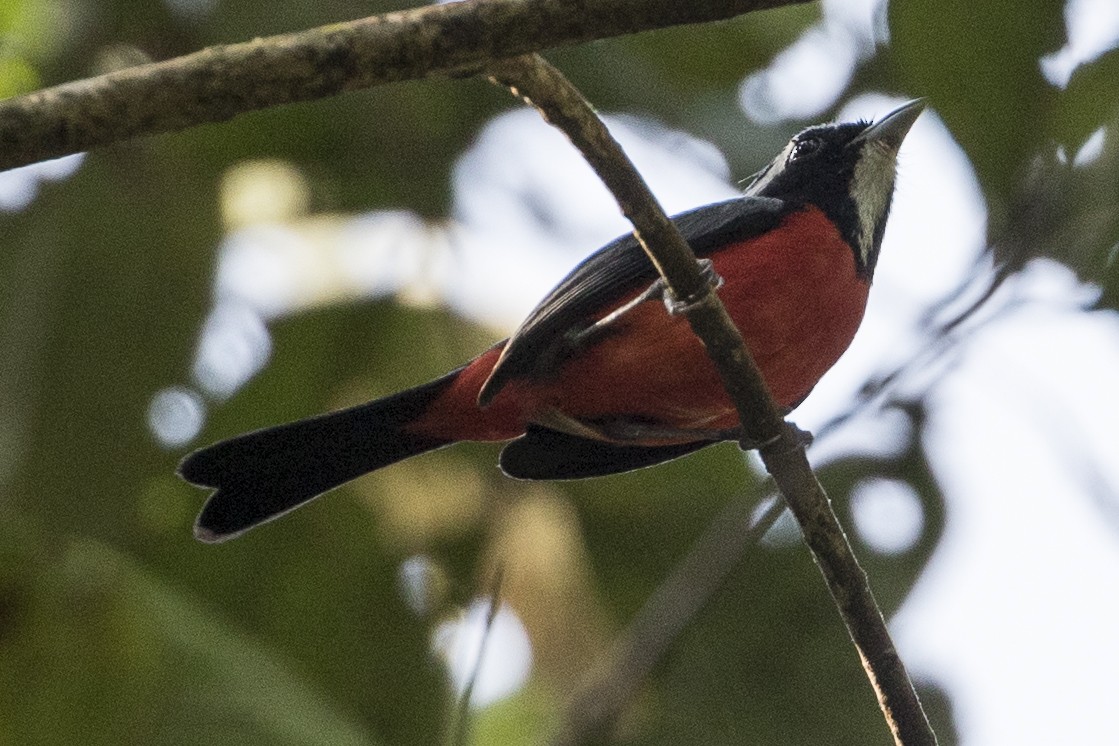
615	270
542	453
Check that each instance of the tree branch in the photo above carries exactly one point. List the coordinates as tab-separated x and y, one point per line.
221	82
782	450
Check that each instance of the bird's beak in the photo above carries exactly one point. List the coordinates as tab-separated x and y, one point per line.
893	128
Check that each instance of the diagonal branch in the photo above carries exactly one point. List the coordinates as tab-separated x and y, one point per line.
220	82
782	449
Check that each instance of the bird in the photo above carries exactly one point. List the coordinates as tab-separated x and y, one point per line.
601	377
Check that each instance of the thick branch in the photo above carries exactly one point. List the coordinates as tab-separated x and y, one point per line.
782	450
218	83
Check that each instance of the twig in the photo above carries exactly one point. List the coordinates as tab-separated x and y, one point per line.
459	732
851	591
782	452
220	82
597	704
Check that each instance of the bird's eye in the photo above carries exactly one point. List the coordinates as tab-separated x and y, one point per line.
804	148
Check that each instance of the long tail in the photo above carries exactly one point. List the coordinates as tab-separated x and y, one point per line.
264	474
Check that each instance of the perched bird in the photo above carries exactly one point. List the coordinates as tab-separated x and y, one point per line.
601	378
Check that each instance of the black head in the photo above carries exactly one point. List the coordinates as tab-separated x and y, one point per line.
847	170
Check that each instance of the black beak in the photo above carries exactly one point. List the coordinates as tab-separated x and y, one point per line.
893	127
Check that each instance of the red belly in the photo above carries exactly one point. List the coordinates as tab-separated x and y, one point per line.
793	293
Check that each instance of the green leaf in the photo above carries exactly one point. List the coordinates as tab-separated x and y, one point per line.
103	652
107	281
1088	102
978	62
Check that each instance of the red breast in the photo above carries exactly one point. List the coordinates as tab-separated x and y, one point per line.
793	293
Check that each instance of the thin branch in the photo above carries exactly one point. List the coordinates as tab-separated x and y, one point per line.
782	450
850	589
596	705
220	82
459	732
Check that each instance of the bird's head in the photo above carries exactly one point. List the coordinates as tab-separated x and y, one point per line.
847	170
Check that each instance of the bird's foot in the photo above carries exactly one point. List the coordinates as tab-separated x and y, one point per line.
679	306
801	439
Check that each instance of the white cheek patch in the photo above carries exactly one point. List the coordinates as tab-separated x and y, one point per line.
871	189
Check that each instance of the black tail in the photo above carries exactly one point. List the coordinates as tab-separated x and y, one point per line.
264	474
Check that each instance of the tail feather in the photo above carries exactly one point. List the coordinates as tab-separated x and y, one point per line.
261	475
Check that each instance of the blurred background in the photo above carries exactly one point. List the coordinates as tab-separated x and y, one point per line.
160	294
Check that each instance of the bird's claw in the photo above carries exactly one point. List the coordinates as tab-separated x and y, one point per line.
677	306
656	290
801	439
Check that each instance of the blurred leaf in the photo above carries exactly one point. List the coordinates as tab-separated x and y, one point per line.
391	147
17	76
109	317
978	63
639	525
317	590
526	717
94	629
686	60
1068	211
1088	102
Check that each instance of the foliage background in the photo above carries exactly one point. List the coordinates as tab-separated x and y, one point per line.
116	626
